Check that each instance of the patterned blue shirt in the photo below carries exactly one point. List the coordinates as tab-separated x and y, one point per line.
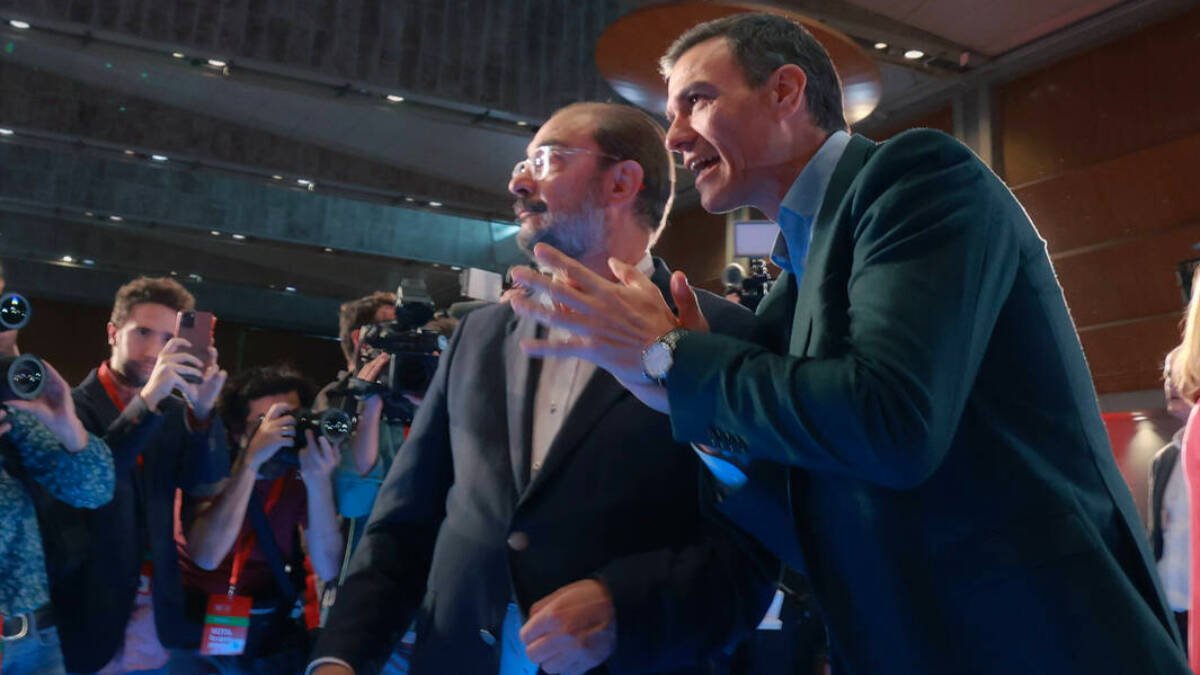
83	479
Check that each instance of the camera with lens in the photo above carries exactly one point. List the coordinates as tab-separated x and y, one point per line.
414	350
750	288
24	376
335	425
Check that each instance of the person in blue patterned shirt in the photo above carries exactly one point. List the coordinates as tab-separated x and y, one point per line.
41	441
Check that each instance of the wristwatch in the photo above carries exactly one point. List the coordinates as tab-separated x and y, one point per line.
659	356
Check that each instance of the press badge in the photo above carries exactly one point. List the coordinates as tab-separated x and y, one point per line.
226	624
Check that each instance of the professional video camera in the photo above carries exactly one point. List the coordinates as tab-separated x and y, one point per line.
335	424
22	376
751	288
414	349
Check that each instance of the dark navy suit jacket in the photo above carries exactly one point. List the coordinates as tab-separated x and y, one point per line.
459	530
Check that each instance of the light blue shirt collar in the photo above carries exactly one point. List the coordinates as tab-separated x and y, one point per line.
802	203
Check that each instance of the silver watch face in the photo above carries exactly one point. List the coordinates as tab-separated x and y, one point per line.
657	360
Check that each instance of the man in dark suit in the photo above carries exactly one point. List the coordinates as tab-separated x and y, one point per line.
954	500
539	515
114	573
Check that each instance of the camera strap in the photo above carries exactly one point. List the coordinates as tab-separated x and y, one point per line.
264	536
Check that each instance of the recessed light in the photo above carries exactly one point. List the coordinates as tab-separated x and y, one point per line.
22	25
435	204
67	259
522	123
178	55
395	99
276	176
215	233
290	289
89	261
304	181
130	152
881	46
174	273
410	200
914	54
116	219
327	249
239	237
89	214
159	158
6	132
217	63
456	268
195	277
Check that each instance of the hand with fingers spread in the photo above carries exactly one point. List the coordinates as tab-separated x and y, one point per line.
277	430
318	459
55	409
612	322
572	630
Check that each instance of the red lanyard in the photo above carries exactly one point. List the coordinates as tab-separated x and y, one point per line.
105	375
246	545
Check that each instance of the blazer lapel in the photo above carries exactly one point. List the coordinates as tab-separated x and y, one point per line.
521	376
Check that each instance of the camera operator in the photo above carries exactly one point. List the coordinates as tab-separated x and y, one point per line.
45	454
249	540
120	599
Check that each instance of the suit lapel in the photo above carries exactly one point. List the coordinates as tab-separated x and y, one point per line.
600	394
521	376
851	162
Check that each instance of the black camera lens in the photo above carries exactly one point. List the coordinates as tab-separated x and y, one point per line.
24	377
334	424
15	311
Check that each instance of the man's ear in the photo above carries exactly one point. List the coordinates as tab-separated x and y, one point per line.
627	178
786	87
112	334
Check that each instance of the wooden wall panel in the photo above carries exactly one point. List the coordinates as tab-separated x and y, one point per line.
1141	192
941	119
1128	357
1127	281
1131	94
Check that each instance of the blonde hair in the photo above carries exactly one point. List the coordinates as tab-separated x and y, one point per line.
1184	368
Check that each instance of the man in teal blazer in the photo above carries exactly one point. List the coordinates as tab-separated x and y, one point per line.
924	443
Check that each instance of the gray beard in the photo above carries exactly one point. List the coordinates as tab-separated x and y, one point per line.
576	233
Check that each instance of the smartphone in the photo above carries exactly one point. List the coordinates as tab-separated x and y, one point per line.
197	328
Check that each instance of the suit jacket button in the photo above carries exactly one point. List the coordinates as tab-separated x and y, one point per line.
518	541
488	637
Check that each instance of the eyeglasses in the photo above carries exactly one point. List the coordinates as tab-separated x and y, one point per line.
543	159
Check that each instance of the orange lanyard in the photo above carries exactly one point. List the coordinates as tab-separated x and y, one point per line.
246	544
105	375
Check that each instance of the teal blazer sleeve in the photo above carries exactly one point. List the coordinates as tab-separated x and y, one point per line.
921	238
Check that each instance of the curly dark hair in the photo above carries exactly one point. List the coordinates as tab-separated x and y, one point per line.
234	402
158	290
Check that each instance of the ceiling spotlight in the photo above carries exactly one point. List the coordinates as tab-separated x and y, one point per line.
6	132
89	261
522	123
304	181
456	268
178	55
327	249
116	219
158	158
239	237
195	277
395	99
914	54
130	152
89	214
290	289
67	259
881	46
215	233
217	63
276	176
410	200
435	204
22	25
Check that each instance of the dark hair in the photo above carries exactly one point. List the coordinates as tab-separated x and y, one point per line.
158	290
764	42
234	402
358	313
628	133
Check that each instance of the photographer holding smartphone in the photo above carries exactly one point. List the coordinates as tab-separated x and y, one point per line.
120	599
